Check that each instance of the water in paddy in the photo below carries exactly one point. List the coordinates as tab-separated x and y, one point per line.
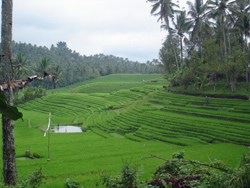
67	129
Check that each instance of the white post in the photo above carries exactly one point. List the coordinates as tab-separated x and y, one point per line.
48	131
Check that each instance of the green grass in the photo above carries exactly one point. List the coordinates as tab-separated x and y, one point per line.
112	83
127	118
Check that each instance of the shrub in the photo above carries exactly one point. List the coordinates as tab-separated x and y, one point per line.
33	181
178	155
36	155
71	184
239	178
127	178
187	173
182	78
30	155
28	94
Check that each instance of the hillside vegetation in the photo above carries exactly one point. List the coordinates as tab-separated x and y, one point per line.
68	66
128	117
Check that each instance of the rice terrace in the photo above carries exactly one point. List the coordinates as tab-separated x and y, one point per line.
127	118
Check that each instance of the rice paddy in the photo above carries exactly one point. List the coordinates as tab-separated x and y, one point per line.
127	118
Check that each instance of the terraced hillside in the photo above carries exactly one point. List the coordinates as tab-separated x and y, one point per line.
140	109
136	110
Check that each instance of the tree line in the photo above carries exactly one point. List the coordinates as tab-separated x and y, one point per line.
69	66
206	41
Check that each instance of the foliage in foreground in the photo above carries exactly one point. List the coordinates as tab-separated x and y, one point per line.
34	180
127	178
175	173
9	111
181	173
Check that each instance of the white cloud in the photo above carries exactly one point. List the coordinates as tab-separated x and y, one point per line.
116	27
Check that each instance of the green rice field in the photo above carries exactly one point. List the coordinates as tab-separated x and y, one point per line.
127	118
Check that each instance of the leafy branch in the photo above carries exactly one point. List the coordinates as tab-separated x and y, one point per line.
12	112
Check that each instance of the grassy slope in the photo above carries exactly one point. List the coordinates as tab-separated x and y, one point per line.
127	118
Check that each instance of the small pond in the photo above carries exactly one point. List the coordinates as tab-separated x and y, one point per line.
67	129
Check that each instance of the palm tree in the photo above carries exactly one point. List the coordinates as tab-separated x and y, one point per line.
20	66
164	9
241	11
43	65
221	10
56	75
20	69
199	21
182	26
9	161
42	68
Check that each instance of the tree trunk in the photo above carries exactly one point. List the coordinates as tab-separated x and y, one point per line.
229	43
225	45
224	39
247	75
245	61
182	60
171	41
9	162
173	46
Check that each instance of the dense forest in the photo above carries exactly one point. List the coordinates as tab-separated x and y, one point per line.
69	66
206	42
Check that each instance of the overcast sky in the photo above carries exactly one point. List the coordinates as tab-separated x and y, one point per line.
122	28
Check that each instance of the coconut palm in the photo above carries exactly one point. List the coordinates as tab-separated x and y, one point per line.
182	26
42	68
20	66
164	9
199	21
43	65
56	75
241	11
221	11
